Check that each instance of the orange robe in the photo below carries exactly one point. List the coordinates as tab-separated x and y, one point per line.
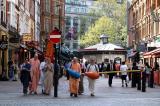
35	74
74	83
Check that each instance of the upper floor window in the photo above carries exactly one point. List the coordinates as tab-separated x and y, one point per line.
68	9
47	5
68	1
56	8
76	10
83	3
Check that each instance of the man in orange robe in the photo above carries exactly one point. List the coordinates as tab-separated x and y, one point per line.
73	82
35	73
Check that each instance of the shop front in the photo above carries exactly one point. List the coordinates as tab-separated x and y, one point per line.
152	57
3	54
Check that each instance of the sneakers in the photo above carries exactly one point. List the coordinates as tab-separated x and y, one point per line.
71	94
75	95
92	94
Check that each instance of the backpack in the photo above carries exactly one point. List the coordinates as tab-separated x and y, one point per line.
95	67
148	70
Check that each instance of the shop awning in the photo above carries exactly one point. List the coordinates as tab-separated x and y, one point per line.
132	54
152	52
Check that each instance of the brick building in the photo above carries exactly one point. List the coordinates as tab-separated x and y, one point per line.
52	15
144	22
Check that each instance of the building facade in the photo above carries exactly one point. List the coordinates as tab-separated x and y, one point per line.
76	15
52	15
18	19
144	22
3	39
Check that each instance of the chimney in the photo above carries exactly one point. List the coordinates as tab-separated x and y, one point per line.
104	39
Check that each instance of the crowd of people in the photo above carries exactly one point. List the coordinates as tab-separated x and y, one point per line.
34	73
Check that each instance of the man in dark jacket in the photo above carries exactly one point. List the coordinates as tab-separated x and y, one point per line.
110	67
25	76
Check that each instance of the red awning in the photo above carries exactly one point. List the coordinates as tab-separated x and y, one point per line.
152	52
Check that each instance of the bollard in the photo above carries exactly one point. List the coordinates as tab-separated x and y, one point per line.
56	70
151	84
139	81
144	81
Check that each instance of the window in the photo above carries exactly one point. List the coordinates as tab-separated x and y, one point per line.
153	4
76	10
68	21
68	9
47	6
56	8
68	1
143	10
55	23
47	25
27	4
157	28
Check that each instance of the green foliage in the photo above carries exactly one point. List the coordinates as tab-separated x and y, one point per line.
103	25
110	19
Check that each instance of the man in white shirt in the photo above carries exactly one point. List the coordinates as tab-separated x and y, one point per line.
92	67
124	69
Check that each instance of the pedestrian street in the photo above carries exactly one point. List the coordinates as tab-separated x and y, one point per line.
11	95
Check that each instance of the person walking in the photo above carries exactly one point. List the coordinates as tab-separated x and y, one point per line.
11	71
155	68
73	82
148	73
48	77
134	75
123	69
92	67
42	70
83	69
35	73
25	76
111	67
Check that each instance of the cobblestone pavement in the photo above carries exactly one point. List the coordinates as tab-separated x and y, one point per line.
11	95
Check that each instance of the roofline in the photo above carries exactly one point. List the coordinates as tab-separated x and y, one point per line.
87	50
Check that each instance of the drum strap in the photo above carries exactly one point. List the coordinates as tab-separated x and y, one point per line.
95	67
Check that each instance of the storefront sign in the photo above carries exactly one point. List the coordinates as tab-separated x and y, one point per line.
27	37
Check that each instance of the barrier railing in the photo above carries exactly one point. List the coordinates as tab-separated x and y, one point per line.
128	71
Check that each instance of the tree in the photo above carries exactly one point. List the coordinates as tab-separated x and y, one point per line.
103	25
107	11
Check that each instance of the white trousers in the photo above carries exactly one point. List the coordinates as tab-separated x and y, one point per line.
91	85
41	81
